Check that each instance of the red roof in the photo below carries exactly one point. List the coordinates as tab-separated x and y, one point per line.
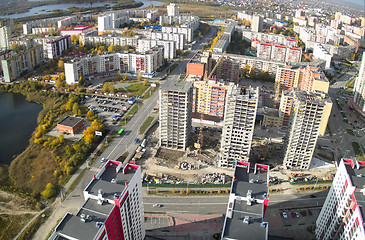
79	28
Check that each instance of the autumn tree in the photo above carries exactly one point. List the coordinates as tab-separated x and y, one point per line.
111	48
245	70
139	77
108	87
61	66
75	108
252	74
50	191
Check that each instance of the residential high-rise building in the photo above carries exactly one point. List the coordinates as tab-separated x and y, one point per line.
307	114
5	37
239	122
56	47
22	63
342	214
209	98
278	52
257	23
286	78
173	10
359	87
308	79
113	207
247	203
145	45
175	115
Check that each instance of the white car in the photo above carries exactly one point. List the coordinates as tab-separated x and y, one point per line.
285	215
297	214
156	205
103	160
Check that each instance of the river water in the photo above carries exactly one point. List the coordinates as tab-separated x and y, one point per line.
18	119
48	8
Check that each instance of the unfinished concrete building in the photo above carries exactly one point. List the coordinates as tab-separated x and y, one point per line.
305	124
239	122
175	115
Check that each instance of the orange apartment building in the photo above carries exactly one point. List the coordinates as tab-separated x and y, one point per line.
209	98
308	79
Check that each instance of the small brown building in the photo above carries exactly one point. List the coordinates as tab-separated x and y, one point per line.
70	125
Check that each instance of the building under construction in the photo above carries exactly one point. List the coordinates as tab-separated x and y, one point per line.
175	115
308	112
239	122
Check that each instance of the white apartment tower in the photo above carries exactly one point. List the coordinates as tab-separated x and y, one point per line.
239	122
175	115
342	214
5	37
257	23
305	123
173	10
359	87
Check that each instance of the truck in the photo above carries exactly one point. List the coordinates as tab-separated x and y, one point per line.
143	144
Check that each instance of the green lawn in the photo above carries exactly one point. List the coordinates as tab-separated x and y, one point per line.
146	124
133	110
358	151
137	88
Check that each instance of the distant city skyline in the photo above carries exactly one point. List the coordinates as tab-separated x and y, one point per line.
354	2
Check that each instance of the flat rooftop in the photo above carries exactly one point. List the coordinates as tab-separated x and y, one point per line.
244	181
357	175
105	182
70	121
177	86
237	229
73	227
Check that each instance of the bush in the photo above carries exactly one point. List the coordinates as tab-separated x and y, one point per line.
50	191
182	191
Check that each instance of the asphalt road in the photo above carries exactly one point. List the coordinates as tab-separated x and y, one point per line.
341	139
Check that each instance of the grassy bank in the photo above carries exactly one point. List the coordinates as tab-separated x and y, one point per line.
146	124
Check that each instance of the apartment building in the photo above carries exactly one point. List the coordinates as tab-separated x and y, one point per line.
5	37
57	46
222	43
202	63
270	37
112	20
305	123
43	30
113	207
64	22
175	115
209	97
145	45
108	40
20	64
4	55
239	122
178	38
27	27
278	52
306	78
78	30
286	78
342	214
257	23
173	10
187	31
359	87
245	15
247	203
147	63
319	52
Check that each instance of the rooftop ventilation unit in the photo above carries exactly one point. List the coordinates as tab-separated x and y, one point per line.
247	220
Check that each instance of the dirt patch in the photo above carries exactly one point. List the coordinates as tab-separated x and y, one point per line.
169	157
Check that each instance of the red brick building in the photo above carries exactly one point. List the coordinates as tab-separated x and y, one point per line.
70	125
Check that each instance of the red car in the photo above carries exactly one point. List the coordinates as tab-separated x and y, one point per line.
292	214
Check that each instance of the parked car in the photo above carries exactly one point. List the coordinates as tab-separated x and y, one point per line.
297	215
285	215
103	160
292	214
156	205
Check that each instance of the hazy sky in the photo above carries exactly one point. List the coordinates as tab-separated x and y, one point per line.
356	2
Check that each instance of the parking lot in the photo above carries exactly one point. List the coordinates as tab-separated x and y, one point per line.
109	108
293	223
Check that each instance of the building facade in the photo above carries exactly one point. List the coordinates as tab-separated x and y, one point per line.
113	207
175	115
305	123
173	10
57	46
107	40
342	214
359	87
22	63
70	125
5	37
239	122
257	23
278	52
146	63
145	45
209	98
187	31
178	38
247	203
